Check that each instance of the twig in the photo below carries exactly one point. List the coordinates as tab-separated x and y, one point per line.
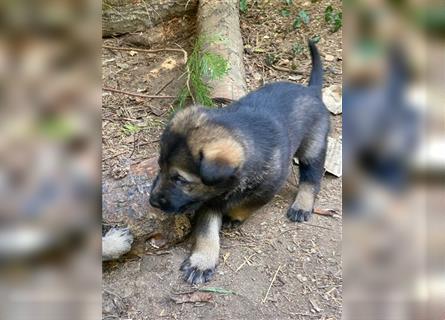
271	283
288	230
148	142
246	260
188	84
112	293
314	225
135	139
148	50
287	70
114	156
222	100
238	245
164	86
137	94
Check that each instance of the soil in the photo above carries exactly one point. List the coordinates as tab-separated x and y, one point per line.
301	263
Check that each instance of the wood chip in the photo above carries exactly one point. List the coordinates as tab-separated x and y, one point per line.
333	162
332	98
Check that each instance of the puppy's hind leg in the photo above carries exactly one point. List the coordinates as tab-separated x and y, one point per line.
311	167
201	264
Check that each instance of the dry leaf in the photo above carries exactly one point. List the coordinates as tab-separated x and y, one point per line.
326	212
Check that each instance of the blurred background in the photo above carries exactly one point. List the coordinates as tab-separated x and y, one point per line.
50	266
394	160
393	153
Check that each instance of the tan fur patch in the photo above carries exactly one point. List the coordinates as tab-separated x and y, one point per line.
186	175
305	197
241	213
216	142
224	150
205	253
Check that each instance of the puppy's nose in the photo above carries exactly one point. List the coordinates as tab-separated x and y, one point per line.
158	201
154	202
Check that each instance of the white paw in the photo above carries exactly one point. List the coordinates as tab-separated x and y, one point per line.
115	243
198	268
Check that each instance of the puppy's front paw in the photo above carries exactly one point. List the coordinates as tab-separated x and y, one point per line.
298	215
197	270
229	223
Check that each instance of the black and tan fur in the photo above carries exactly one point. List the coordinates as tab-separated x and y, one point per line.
226	163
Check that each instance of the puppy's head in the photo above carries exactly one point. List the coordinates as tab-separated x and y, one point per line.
199	160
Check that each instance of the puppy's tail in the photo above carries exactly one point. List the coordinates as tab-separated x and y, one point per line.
316	80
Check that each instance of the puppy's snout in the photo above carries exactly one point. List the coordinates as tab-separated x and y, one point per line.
158	201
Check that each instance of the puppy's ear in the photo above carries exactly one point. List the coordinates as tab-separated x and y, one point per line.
220	161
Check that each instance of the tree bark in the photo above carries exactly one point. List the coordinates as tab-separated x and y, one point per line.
127	16
220	19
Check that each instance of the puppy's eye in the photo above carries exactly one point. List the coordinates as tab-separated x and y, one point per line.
179	180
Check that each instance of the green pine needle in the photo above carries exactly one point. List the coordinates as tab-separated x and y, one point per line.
201	67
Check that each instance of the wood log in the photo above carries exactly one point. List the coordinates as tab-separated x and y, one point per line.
220	19
129	16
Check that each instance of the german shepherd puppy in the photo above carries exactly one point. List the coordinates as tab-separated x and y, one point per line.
227	163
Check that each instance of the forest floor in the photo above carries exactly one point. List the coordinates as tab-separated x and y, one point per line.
297	266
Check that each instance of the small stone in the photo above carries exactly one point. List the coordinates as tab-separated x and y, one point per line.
329	57
119	172
301	278
296	77
122	65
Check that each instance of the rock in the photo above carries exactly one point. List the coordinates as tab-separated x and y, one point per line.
257	76
125	204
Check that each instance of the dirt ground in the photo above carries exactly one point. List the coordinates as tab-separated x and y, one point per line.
304	258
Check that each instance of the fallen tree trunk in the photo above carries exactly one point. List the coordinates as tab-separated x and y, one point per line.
127	16
220	20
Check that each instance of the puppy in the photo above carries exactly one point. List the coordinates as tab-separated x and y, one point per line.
226	163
